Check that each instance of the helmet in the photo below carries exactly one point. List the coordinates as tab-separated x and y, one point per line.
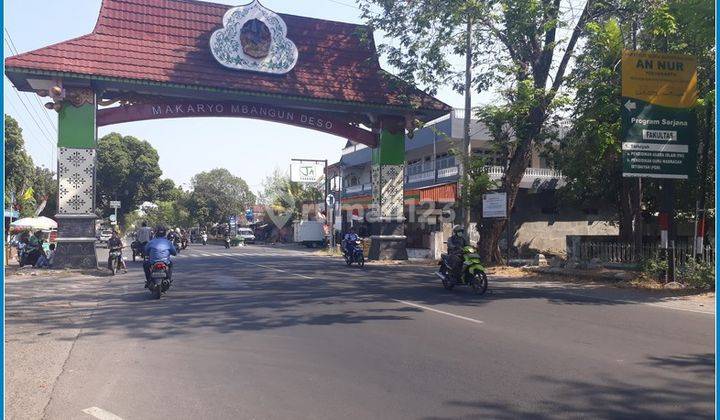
458	228
160	231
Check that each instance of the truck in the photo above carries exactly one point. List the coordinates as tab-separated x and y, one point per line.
311	233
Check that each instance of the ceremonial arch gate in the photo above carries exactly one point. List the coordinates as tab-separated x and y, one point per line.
152	59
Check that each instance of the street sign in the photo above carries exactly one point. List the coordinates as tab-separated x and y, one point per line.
494	205
658	126
113	218
114	204
330	200
306	171
249	215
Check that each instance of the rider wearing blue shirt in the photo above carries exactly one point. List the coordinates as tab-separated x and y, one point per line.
350	240
159	249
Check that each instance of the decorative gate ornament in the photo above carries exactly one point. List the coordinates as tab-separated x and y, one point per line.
254	38
76	178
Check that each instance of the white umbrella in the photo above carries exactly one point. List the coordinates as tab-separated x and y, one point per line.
41	222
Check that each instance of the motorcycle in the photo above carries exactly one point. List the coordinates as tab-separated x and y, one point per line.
472	273
184	242
28	256
115	260
137	250
160	279
354	255
227	242
204	239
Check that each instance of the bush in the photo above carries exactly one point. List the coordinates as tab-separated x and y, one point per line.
654	268
699	275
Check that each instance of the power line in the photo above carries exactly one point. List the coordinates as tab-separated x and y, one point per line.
14	50
36	123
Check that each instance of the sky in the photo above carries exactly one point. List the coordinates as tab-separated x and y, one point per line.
250	149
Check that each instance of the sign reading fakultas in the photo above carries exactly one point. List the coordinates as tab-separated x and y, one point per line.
658	125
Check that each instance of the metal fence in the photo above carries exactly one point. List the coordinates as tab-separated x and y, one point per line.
627	253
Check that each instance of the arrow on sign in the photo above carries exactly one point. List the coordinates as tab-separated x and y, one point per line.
630	105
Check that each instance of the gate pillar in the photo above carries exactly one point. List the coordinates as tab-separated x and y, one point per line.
77	140
388	240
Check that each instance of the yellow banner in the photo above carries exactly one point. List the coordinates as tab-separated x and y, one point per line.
660	79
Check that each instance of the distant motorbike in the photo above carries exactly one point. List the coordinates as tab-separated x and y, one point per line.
115	260
354	254
160	279
184	242
137	250
204	239
471	274
227	242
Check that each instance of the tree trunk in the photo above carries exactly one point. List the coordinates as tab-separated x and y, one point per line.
492	229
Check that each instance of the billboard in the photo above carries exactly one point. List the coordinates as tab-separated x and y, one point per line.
658	124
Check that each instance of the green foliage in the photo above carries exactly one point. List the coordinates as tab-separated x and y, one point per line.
127	170
170	214
653	268
216	195
590	153
428	37
698	275
19	166
478	182
285	196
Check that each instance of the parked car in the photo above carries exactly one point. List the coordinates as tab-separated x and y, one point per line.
247	235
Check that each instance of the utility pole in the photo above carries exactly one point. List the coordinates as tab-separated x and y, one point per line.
636	204
467	149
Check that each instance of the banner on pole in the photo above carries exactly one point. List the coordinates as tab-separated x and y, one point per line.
658	124
306	172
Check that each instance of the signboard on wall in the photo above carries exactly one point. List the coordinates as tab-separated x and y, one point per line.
494	205
306	172
658	125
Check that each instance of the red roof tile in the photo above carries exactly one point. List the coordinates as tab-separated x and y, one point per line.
167	41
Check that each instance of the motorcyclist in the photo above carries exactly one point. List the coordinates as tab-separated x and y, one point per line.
33	248
350	241
159	249
115	244
204	238
143	235
455	245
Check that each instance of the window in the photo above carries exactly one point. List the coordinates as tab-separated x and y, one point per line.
351	181
427	164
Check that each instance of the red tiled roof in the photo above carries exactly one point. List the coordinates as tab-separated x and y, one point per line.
167	41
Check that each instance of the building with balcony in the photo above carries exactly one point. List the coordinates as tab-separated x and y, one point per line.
538	222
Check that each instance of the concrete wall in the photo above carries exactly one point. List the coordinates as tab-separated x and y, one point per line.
538	229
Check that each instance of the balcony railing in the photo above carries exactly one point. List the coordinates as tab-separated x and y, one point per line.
423	176
358	188
447	172
499	171
354	189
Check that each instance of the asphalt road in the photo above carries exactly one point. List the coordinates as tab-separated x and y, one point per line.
267	333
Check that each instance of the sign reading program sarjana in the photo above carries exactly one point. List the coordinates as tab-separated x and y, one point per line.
658	125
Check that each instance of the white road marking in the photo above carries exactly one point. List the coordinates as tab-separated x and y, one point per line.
270	268
404	302
101	414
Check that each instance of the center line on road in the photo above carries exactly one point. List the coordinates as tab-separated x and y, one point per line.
271	268
404	302
101	414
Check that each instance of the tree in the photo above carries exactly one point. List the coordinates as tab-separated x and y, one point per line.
19	168
127	170
218	194
284	196
45	187
590	154
523	53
